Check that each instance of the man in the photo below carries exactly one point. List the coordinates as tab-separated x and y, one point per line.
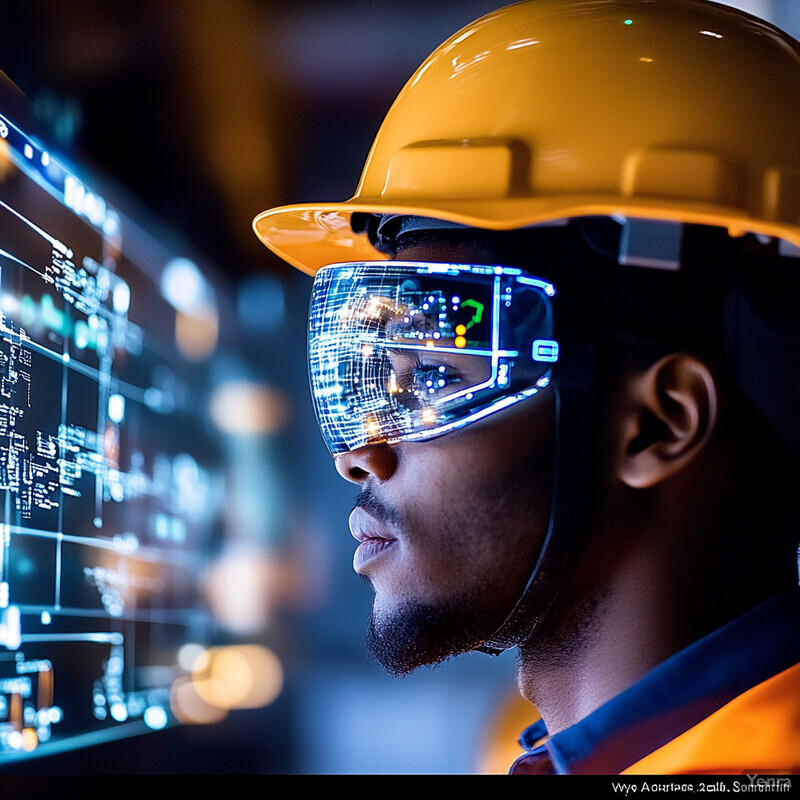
554	338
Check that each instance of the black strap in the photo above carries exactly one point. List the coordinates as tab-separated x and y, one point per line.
574	389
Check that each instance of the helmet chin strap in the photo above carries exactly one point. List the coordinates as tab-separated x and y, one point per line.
574	391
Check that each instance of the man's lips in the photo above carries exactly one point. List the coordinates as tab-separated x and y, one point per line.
374	539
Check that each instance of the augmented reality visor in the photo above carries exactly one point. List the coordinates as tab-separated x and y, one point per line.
404	351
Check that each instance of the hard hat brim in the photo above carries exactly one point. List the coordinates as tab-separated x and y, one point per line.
309	236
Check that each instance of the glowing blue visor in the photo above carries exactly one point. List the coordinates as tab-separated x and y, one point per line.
403	351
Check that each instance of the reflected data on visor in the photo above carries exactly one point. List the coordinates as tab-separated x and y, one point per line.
413	350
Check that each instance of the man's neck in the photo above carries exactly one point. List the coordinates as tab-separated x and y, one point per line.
600	638
589	652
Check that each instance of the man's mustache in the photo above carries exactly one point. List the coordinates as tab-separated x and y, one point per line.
376	507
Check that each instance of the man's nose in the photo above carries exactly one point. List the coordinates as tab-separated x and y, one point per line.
378	461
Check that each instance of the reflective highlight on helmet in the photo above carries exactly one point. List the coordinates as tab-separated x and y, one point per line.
413	350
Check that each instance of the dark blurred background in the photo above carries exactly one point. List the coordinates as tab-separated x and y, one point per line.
209	111
204	113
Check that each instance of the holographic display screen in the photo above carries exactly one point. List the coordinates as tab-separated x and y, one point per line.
412	350
107	468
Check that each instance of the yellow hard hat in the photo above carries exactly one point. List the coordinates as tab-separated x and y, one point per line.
680	110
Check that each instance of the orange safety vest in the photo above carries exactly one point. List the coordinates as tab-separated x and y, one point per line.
757	732
728	704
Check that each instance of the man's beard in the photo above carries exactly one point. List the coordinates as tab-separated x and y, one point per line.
417	635
420	634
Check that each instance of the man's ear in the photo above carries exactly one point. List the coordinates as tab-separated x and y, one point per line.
669	413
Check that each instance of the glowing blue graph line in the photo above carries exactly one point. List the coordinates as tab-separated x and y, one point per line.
58	245
19	261
99	637
462	351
